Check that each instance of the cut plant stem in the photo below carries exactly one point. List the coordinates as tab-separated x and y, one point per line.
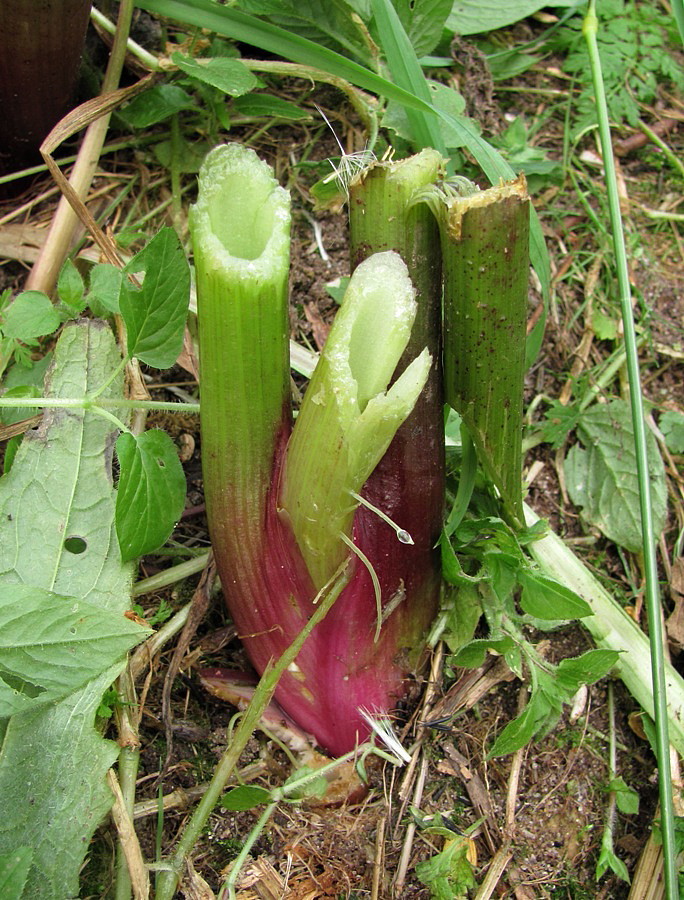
277	524
485	254
408	484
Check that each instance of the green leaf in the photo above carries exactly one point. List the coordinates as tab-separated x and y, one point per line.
14	869
545	598
269	106
155	313
473	654
51	645
424	21
60	487
151	492
70	287
522	729
479	16
626	797
105	286
246	796
315	787
602	479
31	315
448	874
156	104
228	75
608	861
186	158
585	669
671	424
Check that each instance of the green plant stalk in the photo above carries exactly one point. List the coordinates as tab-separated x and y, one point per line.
612	629
485	255
660	701
262	697
242	265
409	481
348	417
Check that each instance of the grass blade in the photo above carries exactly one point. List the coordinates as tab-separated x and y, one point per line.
589	29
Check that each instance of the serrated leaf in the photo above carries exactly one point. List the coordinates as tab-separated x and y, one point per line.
53	801
57	495
70	287
547	599
602	479
671	424
14	869
50	645
246	796
424	21
105	285
31	315
156	104
155	314
151	492
228	75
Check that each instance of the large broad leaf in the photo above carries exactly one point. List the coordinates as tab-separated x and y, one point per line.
57	535
477	16
52	645
602	478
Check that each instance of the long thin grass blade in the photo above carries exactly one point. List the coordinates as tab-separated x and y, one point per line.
590	29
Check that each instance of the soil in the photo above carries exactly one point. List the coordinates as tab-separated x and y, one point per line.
539	814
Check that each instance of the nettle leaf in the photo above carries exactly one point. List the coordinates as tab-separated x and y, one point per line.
156	104
602	479
70	288
31	315
247	796
105	286
155	314
228	75
151	492
14	869
544	598
51	645
57	535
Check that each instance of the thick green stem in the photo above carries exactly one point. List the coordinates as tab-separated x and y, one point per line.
240	228
485	253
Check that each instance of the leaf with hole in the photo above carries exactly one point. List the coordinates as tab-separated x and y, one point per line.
602	478
155	313
151	492
52	645
60	487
